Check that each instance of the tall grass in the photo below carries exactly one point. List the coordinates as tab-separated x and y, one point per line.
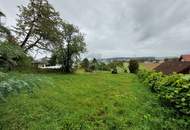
15	83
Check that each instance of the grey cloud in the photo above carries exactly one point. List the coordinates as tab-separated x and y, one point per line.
125	27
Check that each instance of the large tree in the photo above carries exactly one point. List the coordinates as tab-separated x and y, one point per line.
71	47
37	25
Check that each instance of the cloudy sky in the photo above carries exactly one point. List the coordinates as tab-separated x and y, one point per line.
117	28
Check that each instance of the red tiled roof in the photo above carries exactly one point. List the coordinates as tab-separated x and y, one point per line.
173	66
185	58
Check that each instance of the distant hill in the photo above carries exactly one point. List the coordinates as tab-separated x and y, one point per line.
140	59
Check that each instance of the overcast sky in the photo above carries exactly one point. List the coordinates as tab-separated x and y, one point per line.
123	28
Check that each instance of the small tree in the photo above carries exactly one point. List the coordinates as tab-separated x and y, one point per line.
133	66
85	64
94	64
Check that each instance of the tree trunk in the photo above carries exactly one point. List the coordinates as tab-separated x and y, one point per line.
27	36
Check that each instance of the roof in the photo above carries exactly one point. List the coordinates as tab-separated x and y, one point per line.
41	61
185	57
173	66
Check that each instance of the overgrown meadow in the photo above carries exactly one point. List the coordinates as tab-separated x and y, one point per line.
87	101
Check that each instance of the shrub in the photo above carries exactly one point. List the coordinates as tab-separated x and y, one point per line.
114	70
103	67
173	90
153	80
125	71
176	93
133	66
143	74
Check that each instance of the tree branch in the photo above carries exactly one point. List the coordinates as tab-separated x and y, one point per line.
32	45
27	36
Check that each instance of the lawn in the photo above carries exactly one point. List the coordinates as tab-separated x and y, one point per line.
98	101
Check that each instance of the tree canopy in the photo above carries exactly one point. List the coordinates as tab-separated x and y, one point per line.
37	25
71	46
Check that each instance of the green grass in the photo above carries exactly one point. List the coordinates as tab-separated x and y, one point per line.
99	101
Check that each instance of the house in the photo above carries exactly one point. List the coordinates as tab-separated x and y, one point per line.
43	62
184	58
170	67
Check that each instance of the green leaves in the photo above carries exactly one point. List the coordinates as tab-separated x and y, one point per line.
3	76
69	49
11	50
11	55
38	25
174	90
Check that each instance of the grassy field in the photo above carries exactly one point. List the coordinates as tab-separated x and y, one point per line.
99	101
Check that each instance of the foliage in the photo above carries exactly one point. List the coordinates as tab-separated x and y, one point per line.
38	25
92	67
133	66
11	55
114	70
174	90
3	76
103	67
85	64
125	71
114	64
72	45
153	81
94	64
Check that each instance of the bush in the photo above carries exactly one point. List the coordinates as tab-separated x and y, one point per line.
153	80
133	66
114	71
173	90
103	67
125	71
143	74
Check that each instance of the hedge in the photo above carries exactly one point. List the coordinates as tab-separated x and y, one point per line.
173	90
